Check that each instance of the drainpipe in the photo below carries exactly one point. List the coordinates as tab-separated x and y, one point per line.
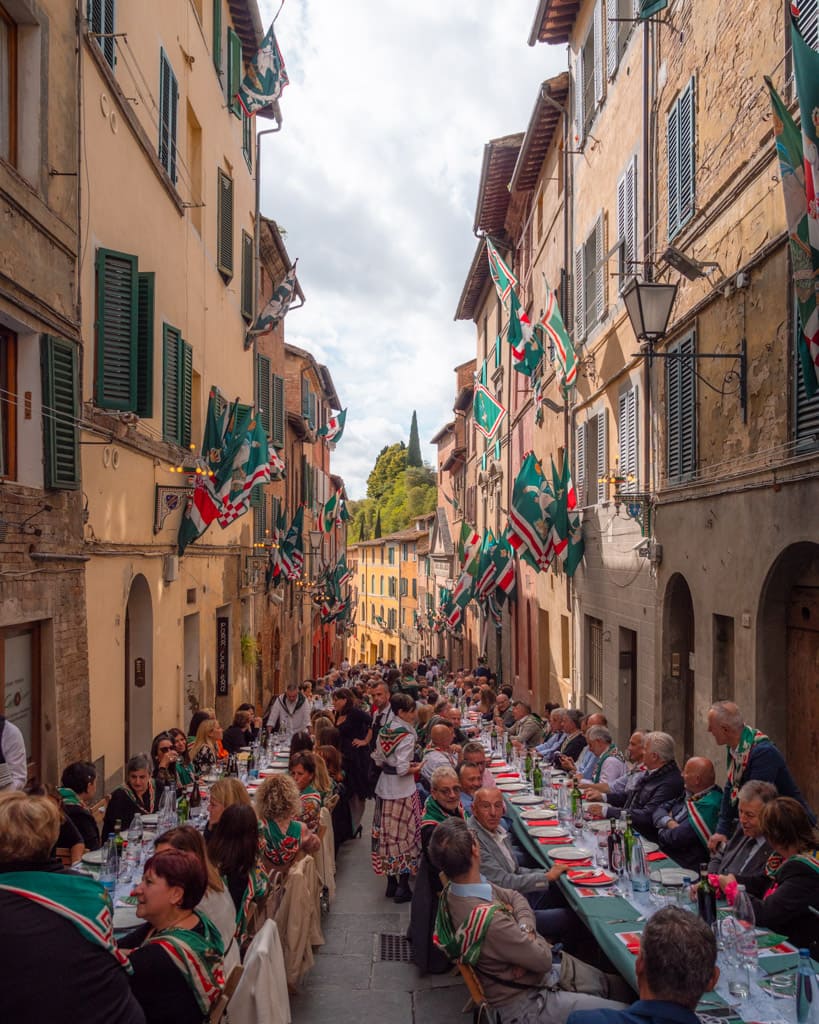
257	229
649	269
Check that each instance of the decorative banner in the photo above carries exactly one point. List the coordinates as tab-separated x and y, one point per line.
487	411
266	77
222	655
167	500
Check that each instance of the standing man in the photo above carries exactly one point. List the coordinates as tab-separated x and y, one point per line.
750	755
290	711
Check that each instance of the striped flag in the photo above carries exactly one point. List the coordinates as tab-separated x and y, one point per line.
551	322
505	280
334	427
529	522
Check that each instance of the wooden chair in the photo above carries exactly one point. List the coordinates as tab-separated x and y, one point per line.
482	1013
217	1011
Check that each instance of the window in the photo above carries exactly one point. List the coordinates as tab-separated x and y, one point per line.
8	404
590	282
263	391
589	80
404	587
381	585
217	36
391	555
628	432
627	223
234	71
391	619
277	419
681	411
60	410
681	142
247	276
125	329
168	104
101	23
258	502
195	168
247	140
415	588
224	224
8	88
372	583
808	23
722	685
391	586
177	385
591	460
594	640
620	15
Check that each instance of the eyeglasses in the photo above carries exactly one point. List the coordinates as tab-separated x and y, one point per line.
164	750
448	790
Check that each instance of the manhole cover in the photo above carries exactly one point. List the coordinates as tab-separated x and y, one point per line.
394	948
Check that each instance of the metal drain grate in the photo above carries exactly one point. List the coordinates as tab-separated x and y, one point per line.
394	948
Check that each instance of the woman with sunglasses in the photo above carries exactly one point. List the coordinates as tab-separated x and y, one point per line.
184	768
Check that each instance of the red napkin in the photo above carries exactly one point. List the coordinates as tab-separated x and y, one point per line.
507	775
542	822
544	841
656	855
633	948
573	863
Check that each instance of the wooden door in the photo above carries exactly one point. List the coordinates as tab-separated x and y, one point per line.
803	689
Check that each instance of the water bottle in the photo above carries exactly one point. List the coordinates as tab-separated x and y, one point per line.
563	810
639	866
110	866
805	988
166	818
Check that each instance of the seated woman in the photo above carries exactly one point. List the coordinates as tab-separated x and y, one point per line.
54	921
783	898
185	774
197	718
216	903
163	759
234	848
79	787
239	734
322	725
301	741
281	835
225	793
303	769
137	795
207	748
69	847
486	705
176	956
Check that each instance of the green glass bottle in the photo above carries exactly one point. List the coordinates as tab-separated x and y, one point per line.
494	738
537	778
509	750
183	808
628	841
119	840
577	803
527	764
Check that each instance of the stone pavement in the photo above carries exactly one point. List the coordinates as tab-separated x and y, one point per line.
349	984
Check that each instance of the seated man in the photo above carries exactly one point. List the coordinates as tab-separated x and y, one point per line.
504	714
661	784
634	769
440	753
469	776
527	730
474	753
555	737
746	853
684	827
501	867
573	743
608	761
587	761
493	930
676	966
460	734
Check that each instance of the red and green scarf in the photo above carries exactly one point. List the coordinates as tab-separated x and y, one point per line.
463	944
434	814
776	861
279	847
198	957
703	812
810	858
737	760
139	801
611	752
77	898
255	892
390	736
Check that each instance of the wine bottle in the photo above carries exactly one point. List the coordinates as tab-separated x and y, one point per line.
537	778
577	803
706	897
805	987
628	842
614	842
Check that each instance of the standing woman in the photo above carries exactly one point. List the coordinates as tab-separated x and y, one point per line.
137	795
355	729
396	836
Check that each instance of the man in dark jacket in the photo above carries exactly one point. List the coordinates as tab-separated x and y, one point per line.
79	787
660	785
746	853
676	965
684	828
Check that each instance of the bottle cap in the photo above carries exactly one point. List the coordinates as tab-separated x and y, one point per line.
804	952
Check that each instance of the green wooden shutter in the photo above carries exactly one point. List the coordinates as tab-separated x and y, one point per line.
186	394
217	35
687	152
168	104
234	75
311	417
116	330
247	140
277	421
681	411
305	480
224	224
171	383
305	398
60	409
145	346
263	391
247	276
101	18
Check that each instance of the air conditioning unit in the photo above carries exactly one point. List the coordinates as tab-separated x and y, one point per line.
170	568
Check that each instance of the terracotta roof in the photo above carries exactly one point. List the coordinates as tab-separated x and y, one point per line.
273	252
247	23
437	438
464	397
457	455
543	124
408	534
554	21
476	281
499	156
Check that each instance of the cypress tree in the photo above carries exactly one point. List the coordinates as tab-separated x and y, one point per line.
414	449
377	529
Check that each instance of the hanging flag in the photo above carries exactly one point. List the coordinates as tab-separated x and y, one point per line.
327	518
266	77
505	568
487	411
505	280
334	427
252	471
292	549
343	514
276	308
341	573
468	544
529	523
274	573
573	554
452	501
648	8
555	331
486	566
792	176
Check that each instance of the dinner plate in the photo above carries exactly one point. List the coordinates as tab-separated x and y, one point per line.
265	773
92	856
500	769
525	799
547	832
649	847
126	918
672	876
512	787
539	813
567	853
150	820
590	876
601	825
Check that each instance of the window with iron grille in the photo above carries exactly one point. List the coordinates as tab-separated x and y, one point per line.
594	648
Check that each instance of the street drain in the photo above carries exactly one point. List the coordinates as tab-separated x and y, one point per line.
394	949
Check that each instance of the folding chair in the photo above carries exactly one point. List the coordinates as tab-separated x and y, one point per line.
217	1011
482	1013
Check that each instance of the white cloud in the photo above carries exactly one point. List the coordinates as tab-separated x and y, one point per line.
374	177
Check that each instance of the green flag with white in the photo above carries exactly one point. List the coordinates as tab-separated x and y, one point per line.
529	522
334	428
487	412
554	330
266	77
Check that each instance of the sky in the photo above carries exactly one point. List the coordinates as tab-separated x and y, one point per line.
374	178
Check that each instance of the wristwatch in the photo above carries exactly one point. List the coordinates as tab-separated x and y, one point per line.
525	927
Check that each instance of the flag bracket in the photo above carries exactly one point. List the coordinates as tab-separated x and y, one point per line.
638	506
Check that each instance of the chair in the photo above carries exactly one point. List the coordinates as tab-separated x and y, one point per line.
262	996
481	1010
217	1011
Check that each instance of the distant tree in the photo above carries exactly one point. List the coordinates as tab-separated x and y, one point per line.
377	530
414	448
390	464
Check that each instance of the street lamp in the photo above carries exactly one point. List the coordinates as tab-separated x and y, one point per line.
648	304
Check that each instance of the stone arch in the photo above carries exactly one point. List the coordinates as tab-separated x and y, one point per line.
139	667
677	693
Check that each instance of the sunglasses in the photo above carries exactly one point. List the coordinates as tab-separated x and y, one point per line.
164	750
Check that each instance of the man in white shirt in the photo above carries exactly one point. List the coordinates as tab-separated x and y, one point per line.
608	761
290	711
440	753
13	761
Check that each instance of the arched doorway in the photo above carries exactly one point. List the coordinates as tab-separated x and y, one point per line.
139	668
787	643
678	666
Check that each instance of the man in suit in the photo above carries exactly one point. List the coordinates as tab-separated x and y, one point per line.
684	827
500	866
676	965
573	743
746	853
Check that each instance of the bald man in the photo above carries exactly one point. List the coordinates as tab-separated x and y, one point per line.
684	828
440	752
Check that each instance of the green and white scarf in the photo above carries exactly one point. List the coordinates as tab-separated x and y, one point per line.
434	814
611	752
70	798
737	760
198	957
463	944
703	811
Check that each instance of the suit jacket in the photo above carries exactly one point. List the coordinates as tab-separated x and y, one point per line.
528	730
734	855
652	791
496	869
787	908
683	843
644	1011
572	748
